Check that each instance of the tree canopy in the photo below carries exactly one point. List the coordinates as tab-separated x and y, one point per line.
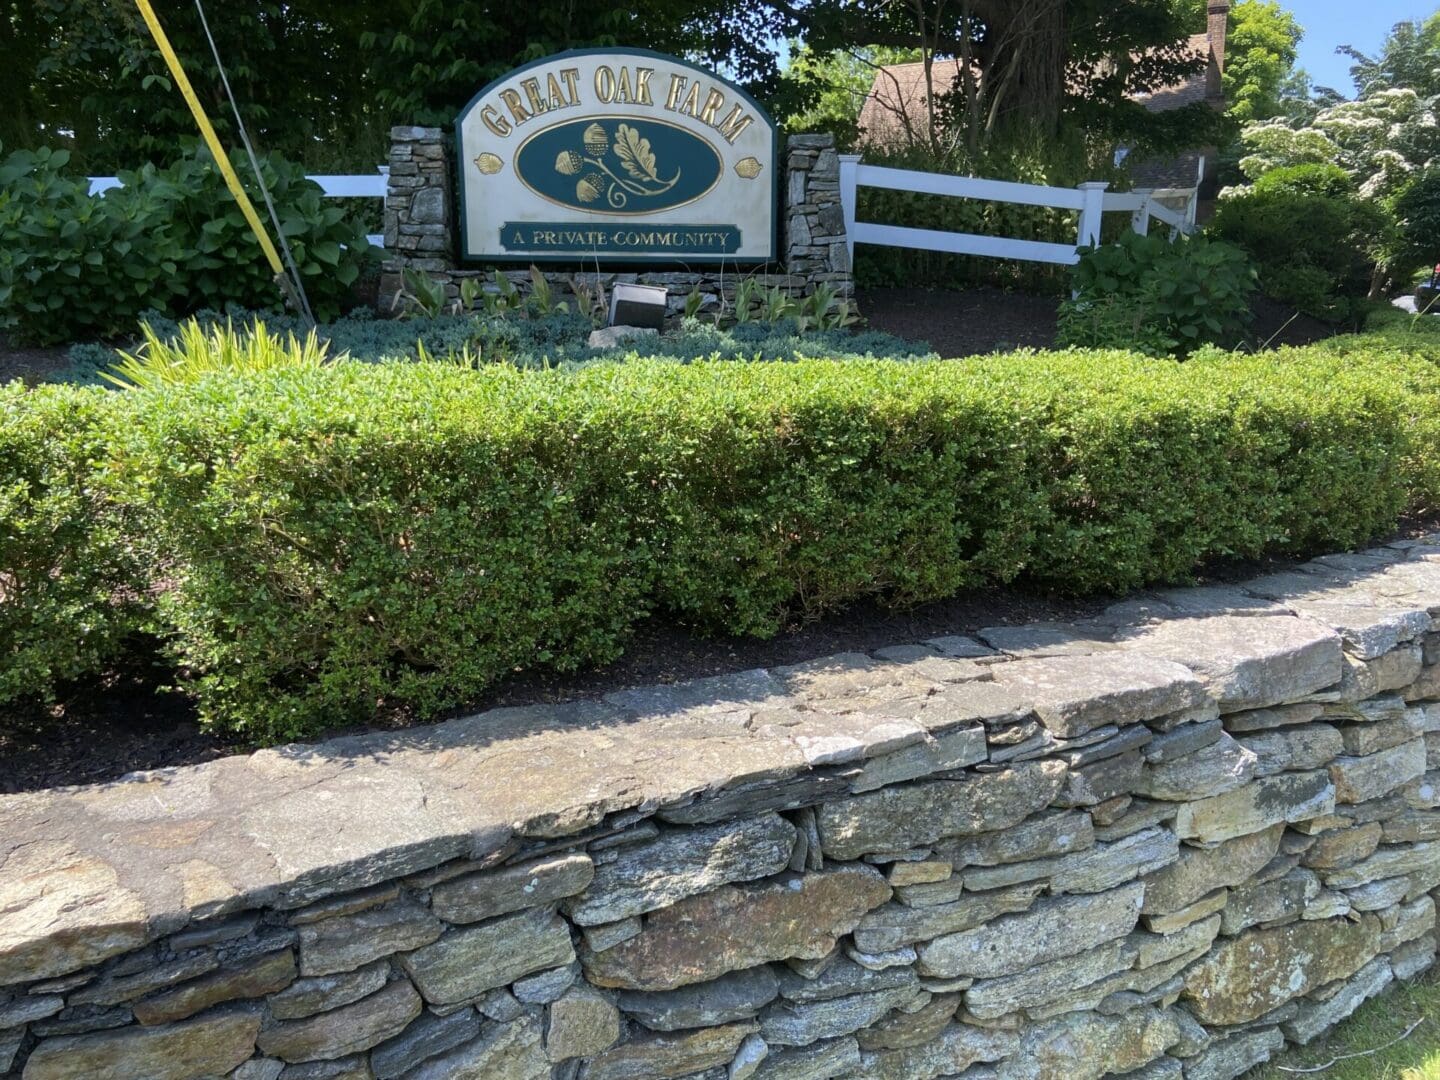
1035	66
319	81
323	82
1388	134
1260	59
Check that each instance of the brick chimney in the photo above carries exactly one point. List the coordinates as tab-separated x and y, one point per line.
1217	15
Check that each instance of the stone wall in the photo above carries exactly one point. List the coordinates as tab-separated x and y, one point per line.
1162	843
421	229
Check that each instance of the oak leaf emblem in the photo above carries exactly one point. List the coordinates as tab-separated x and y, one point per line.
635	154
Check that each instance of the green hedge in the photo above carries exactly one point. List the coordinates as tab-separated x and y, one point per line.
70	583
367	538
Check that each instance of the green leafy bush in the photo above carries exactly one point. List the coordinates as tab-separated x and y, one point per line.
170	240
1142	292
71	584
330	542
1313	251
1115	321
1326	181
1416	240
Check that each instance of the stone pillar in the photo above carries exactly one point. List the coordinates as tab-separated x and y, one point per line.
812	219
420	216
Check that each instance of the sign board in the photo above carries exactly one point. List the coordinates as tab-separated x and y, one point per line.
616	155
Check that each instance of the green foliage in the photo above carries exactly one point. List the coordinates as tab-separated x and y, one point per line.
1416	213
1380	140
355	539
1313	251
54	243
318	81
71	591
1408	58
833	87
1192	291
171	240
538	342
1327	181
422	295
1115	321
1260	51
197	352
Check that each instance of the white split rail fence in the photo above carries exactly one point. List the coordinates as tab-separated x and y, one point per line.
335	186
1091	200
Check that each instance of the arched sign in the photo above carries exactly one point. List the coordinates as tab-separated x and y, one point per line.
616	155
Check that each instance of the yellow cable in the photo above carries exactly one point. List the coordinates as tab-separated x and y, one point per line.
212	140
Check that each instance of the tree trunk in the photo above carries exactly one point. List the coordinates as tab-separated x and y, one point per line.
1023	54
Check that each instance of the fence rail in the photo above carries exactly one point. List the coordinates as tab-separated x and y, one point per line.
334	185
1091	200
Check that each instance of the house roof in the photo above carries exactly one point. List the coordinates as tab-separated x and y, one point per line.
897	97
1186	91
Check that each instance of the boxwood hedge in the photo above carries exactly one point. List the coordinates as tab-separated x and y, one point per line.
322	545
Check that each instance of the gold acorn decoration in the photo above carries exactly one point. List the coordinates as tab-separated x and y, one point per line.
589	188
489	164
568	163
748	168
596	141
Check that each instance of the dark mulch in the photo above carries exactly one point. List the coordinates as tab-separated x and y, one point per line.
103	731
120	725
962	323
987	320
33	365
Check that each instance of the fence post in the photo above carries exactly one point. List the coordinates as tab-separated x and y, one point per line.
1140	220
1092	211
849	163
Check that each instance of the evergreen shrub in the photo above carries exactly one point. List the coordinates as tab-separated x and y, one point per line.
324	545
1314	244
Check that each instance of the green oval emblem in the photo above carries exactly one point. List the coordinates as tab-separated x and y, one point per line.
624	165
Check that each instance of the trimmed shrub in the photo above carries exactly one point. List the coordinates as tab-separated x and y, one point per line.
362	538
170	240
1313	251
71	585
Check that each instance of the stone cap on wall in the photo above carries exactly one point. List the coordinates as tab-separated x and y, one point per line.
90	872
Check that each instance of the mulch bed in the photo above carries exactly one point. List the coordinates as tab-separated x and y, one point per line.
990	320
118	725
32	365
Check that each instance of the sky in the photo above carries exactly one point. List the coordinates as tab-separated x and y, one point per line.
1329	23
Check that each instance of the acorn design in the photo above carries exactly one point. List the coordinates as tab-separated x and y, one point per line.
596	141
590	187
748	168
568	163
489	164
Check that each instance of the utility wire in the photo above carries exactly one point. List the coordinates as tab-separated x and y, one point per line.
296	286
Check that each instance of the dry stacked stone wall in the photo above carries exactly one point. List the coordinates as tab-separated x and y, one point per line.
1160	844
422	223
